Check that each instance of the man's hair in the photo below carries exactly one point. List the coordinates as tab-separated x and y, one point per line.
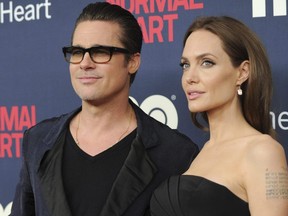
131	34
241	44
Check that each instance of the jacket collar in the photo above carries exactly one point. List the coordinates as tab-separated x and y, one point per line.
148	135
136	173
145	127
51	183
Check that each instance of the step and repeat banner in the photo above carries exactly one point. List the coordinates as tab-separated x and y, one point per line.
35	82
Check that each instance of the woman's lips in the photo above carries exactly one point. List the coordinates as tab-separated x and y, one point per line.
192	95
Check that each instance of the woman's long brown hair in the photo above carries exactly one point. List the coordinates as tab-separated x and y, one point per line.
241	44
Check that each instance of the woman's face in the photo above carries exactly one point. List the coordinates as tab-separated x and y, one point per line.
209	79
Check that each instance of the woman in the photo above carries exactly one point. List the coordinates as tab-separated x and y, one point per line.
242	169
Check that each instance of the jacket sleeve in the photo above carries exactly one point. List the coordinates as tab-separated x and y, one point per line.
23	203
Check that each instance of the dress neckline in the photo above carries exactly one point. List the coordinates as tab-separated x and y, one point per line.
214	183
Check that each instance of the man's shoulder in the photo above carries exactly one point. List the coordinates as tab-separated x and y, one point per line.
53	123
47	123
174	151
164	130
45	133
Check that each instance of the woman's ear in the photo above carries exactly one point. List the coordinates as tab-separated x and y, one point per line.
134	63
244	72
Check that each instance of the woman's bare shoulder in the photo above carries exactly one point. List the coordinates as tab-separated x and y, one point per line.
263	149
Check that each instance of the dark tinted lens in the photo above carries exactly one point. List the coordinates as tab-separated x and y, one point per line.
76	54
100	54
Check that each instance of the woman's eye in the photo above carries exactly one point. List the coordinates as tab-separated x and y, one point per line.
207	63
184	65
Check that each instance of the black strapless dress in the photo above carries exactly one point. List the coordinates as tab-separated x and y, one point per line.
189	195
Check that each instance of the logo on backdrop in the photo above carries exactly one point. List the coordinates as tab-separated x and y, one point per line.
5	211
10	12
13	121
279	121
259	8
162	15
160	108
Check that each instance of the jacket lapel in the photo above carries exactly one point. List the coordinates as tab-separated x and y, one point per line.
49	160
50	176
136	173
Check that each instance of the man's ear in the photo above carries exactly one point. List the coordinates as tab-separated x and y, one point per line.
134	63
244	72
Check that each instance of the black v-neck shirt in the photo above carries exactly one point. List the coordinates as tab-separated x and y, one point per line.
87	180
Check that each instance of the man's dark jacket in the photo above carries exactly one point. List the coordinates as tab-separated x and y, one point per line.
156	153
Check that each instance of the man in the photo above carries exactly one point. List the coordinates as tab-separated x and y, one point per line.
108	156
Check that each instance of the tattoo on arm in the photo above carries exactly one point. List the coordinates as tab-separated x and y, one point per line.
276	184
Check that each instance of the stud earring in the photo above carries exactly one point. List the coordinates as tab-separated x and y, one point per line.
239	91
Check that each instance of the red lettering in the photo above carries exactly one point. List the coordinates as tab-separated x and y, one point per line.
118	2
7	147
9	120
143	4
160	5
123	4
15	119
170	18
194	5
155	28
17	140
178	3
33	115
24	120
150	6
18	119
141	22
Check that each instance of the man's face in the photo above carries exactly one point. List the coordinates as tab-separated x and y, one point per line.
94	82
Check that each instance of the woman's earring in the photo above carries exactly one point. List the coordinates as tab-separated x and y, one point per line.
239	91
